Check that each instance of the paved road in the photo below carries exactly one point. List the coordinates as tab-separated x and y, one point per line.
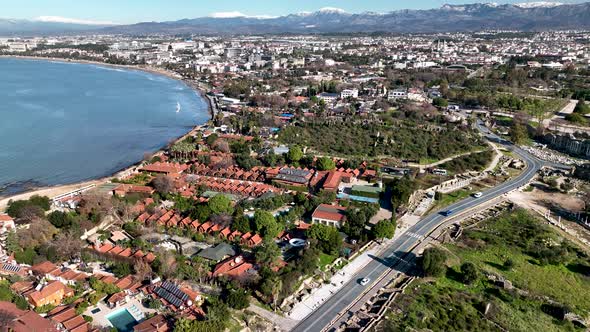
399	252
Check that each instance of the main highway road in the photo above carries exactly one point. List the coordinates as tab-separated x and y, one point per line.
399	251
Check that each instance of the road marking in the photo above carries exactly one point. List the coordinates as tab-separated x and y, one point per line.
429	223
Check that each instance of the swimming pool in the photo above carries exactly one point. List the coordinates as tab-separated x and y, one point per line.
122	320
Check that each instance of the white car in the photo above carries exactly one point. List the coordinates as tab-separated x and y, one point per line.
478	194
365	281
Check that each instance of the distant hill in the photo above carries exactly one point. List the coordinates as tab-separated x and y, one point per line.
12	27
532	16
539	16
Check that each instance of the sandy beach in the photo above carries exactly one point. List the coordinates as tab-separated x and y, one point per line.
52	191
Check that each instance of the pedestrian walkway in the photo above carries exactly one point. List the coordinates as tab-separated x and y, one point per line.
321	294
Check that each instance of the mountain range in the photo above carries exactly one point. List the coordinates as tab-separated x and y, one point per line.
535	16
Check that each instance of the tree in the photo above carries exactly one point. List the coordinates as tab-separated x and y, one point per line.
163	184
401	190
576	118
60	219
469	273
518	133
295	154
440	102
328	238
201	212
241	223
265	224
325	164
220	204
384	229
433	262
582	108
509	264
121	269
238	299
268	253
245	161
142	269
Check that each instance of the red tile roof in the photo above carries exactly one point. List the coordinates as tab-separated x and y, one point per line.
329	212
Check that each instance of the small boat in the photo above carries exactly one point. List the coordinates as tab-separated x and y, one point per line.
177	107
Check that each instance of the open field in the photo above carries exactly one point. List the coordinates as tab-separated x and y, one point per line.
547	272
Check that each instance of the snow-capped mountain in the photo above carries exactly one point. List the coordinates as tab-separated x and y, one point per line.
529	16
538	4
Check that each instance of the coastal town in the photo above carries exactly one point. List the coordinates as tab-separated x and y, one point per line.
340	182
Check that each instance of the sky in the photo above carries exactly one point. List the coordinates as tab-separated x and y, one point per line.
133	11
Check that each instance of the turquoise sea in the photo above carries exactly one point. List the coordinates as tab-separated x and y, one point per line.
62	123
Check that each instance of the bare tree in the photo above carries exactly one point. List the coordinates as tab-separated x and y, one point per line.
142	269
94	203
221	145
67	245
39	232
163	184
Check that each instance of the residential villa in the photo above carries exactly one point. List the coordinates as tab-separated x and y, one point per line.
24	320
330	215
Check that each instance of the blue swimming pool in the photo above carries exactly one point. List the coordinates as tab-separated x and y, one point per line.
122	320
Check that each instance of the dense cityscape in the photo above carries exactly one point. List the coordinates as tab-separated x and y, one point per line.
344	182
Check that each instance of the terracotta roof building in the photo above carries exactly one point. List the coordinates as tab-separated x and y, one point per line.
331	215
158	323
52	293
24	320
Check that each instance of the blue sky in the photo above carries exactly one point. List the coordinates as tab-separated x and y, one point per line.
131	11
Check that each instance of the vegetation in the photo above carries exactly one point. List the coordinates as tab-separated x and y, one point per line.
384	229
406	140
432	262
472	162
549	274
30	208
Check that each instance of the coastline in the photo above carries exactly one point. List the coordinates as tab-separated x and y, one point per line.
56	190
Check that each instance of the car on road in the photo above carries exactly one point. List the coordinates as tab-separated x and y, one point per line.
447	213
365	281
478	194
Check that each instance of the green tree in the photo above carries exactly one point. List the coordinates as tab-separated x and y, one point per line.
384	229
509	264
433	262
576	118
268	253
469	273
60	219
440	102
328	238
121	269
582	108
401	190
241	223
295	154
265	224
201	212
238	299
325	164
518	133
220	204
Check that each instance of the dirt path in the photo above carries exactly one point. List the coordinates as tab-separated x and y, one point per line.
440	162
285	324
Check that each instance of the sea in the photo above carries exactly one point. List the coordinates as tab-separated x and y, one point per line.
63	122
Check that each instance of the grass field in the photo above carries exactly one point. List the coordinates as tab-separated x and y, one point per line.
549	275
326	259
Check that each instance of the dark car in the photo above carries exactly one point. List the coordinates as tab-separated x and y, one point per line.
447	213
